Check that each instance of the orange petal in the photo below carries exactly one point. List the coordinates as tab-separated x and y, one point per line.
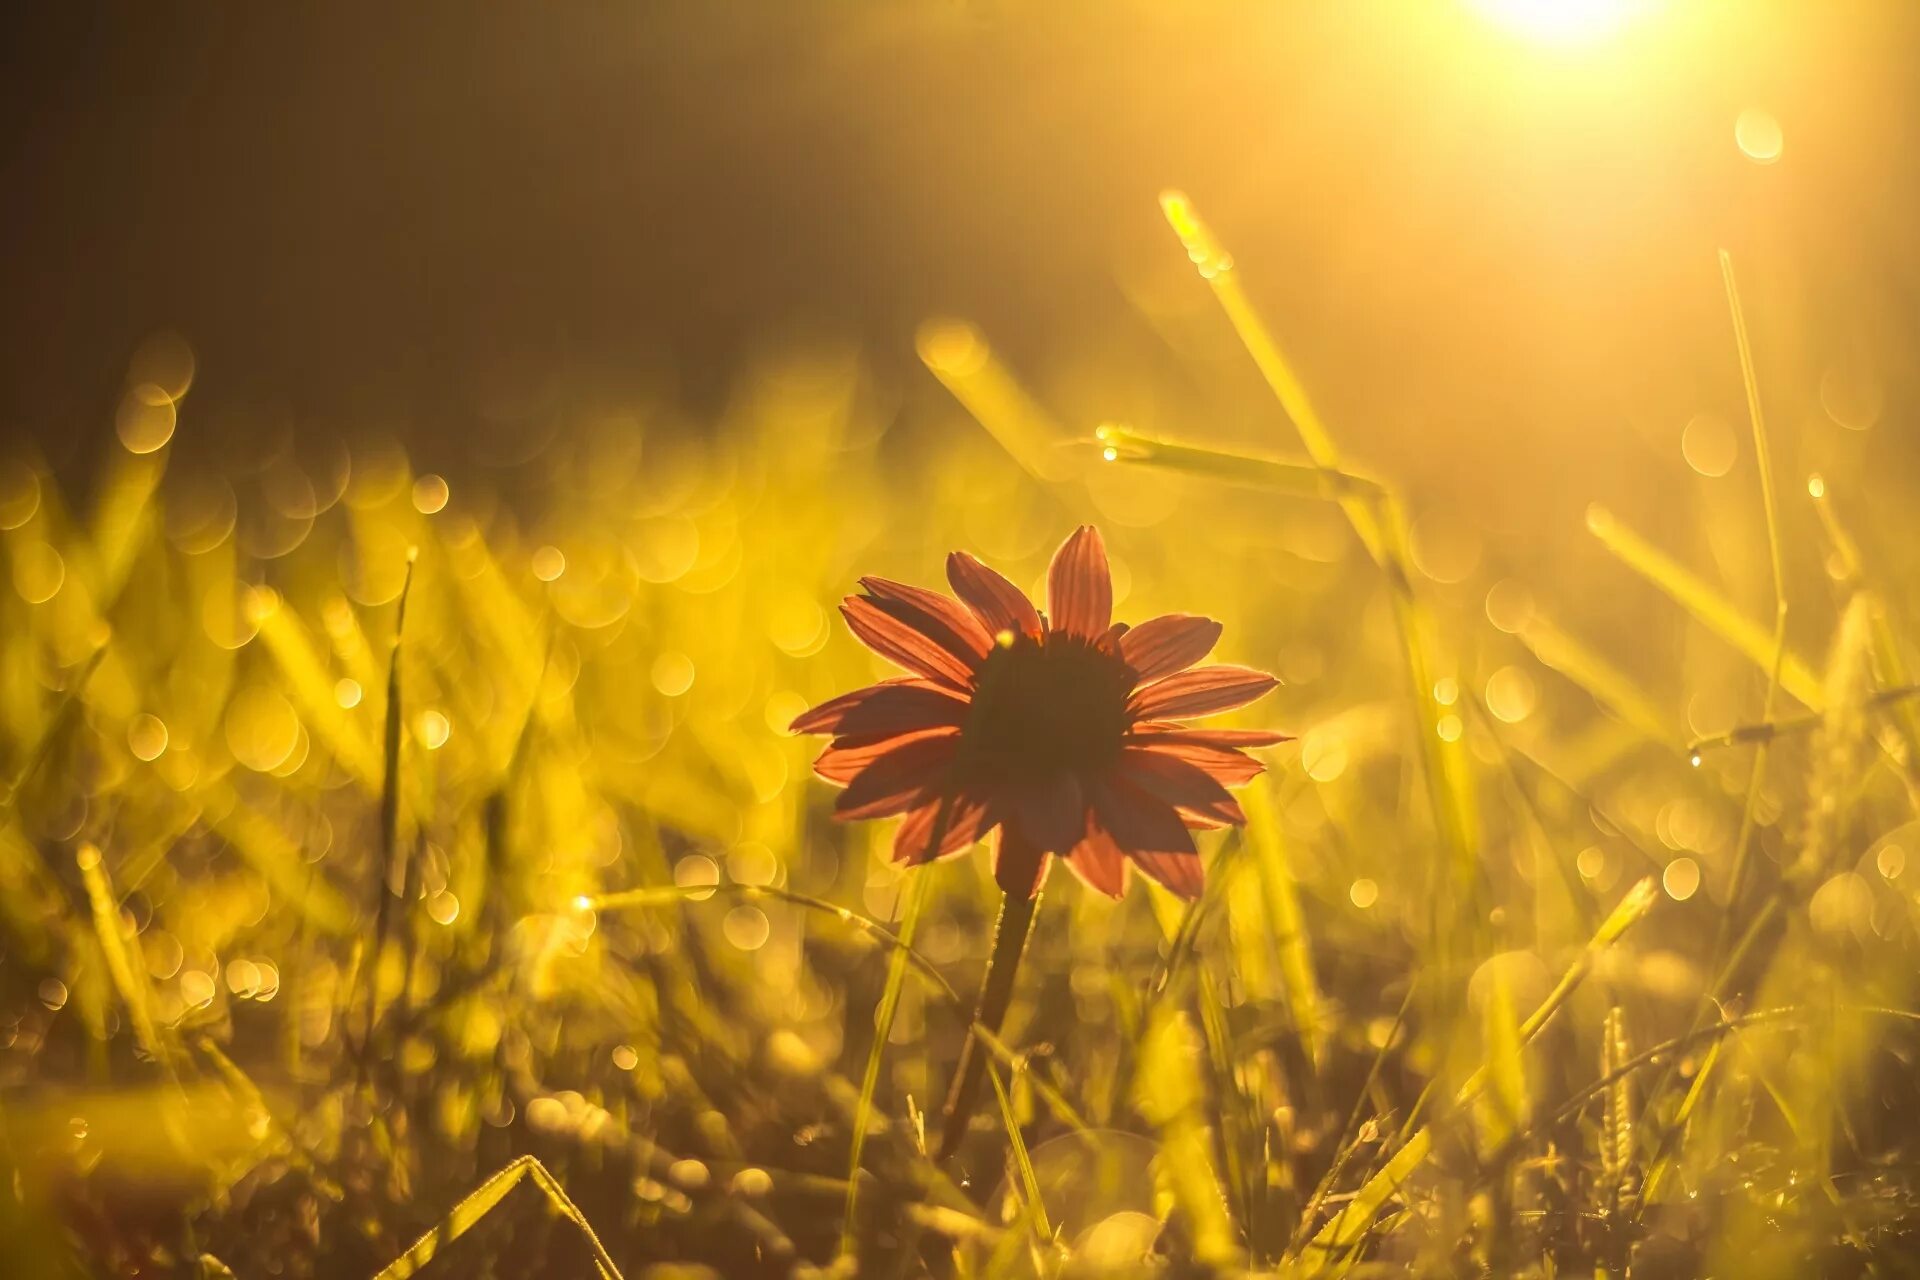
967	821
1199	692
1227	765
1192	791
1051	812
1161	646
1169	731
998	604
847	758
897	781
1151	833
1079	588
893	706
902	643
1099	862
945	621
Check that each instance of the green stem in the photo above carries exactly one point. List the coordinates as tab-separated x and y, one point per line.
1017	911
392	852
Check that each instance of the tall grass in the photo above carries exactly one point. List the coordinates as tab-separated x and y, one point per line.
555	965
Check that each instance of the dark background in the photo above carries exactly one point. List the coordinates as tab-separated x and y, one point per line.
440	215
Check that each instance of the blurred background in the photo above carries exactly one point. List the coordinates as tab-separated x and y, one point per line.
1468	222
653	326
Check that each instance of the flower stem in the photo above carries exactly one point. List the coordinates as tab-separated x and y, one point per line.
1017	911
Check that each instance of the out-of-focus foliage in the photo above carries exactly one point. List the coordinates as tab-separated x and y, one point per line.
582	981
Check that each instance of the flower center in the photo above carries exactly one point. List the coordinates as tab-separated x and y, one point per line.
1044	708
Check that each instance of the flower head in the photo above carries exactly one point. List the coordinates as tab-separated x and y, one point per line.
1060	731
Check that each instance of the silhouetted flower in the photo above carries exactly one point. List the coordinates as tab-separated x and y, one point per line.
1059	731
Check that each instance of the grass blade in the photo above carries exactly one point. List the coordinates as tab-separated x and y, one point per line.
1216	268
129	977
482	1201
392	848
1022	1161
43	745
1350	1226
1504	1109
1616	1125
917	897
1296	479
1704	603
1381	528
1169	1093
1285	919
1605	683
958	355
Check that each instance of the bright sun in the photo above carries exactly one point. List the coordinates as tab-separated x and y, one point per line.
1562	22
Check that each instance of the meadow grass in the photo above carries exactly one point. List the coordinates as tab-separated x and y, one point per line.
555	965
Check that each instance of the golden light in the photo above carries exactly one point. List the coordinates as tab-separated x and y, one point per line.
1759	135
145	419
696	871
1890	861
549	563
673	673
430	494
243	978
951	347
1709	445
797	625
783	707
1560	22
665	549
433	729
1489	229
444	907
164	363
747	927
261	728
1323	754
1681	879
147	737
19	494
1509	605
753	864
1511	695
38	571
197	988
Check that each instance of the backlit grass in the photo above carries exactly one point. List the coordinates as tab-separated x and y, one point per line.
514	938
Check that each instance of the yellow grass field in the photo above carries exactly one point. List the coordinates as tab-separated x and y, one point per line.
408	866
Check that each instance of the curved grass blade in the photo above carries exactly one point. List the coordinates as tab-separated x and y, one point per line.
1704	603
1062	1110
883	1029
43	745
1350	1226
1022	1162
482	1201
1285	919
129	978
1169	1092
1604	682
392	849
1298	479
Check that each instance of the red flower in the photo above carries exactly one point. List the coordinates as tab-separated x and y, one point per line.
1061	732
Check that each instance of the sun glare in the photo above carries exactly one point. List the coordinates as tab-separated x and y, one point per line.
1560	22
